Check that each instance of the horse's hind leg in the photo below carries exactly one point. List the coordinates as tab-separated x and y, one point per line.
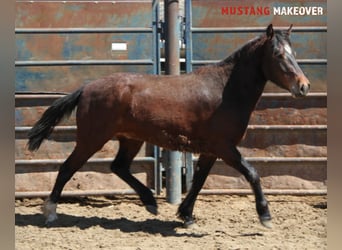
202	170
121	166
73	163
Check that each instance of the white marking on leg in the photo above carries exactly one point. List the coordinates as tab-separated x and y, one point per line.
49	211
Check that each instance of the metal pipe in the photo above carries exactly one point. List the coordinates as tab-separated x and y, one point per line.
56	95
266	191
300	61
80	30
82	62
30	99
174	159
188	36
25	129
38	162
174	177
172	38
297	192
255	29
37	194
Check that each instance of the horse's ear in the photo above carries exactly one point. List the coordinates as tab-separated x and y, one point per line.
270	32
289	30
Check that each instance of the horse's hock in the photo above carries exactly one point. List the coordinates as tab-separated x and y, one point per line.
286	138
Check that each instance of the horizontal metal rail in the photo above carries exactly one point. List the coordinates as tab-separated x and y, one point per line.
86	1
82	30
287	159
297	192
287	127
278	159
68	133
31	99
83	62
255	29
38	194
300	61
43	162
24	129
53	95
312	95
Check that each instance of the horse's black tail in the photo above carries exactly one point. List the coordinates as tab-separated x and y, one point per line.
51	117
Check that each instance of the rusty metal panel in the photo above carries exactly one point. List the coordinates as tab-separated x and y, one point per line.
272	109
83	46
218	28
91	14
40	176
280	125
207	13
217	46
64	44
283	173
66	78
317	74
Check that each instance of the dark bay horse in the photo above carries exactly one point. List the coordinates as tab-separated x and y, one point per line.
206	112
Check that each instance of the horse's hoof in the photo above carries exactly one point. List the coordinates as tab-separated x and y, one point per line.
152	209
49	211
50	218
267	223
190	224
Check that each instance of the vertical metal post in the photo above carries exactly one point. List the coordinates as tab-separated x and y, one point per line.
156	37
188	36
188	66
174	159
156	70
171	37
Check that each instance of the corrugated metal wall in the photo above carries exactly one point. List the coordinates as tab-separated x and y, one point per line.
62	45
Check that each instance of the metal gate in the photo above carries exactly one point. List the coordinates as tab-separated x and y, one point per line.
62	45
286	139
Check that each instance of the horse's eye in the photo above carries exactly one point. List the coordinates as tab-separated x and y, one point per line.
279	55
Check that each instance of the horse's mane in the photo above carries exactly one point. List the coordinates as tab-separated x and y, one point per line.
229	61
246	50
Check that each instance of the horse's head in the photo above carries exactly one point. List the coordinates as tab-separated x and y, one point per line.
279	64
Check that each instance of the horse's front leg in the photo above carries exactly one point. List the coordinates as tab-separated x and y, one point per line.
202	170
234	159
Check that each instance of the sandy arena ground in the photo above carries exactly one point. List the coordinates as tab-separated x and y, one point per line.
223	222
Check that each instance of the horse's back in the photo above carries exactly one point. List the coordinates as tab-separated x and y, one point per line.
175	112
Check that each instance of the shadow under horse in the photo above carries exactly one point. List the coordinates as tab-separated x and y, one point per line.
206	112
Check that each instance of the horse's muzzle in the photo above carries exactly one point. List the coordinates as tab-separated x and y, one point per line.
301	87
304	88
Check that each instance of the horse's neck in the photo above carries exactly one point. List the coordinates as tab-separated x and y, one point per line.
245	79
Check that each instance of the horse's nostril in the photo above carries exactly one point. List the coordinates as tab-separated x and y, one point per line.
304	88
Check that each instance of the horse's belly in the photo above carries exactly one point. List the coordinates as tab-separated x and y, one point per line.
181	143
169	141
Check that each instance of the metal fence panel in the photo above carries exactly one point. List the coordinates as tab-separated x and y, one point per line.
280	126
62	45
